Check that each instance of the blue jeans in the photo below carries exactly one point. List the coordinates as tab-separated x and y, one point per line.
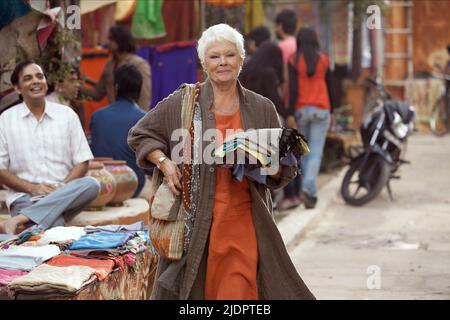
313	123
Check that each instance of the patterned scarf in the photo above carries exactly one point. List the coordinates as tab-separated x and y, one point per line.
170	279
191	119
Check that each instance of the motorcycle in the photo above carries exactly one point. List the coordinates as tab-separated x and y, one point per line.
384	134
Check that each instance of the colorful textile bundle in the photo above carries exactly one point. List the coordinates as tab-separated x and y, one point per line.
26	258
254	150
61	234
102	240
92	256
45	278
102	267
8	275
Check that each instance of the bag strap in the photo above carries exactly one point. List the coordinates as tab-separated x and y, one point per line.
190	98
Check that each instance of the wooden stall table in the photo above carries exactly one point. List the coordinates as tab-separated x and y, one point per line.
134	283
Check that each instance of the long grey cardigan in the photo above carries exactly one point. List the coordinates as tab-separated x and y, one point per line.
277	277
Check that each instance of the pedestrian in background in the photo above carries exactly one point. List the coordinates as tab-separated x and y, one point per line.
263	74
311	100
122	48
286	26
255	38
109	126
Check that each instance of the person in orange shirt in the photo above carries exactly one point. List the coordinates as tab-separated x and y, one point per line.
312	100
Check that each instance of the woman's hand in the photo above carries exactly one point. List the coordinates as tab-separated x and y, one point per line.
172	175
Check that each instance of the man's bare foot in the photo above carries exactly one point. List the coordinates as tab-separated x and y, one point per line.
8	227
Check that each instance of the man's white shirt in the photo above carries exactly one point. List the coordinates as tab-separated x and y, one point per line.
41	151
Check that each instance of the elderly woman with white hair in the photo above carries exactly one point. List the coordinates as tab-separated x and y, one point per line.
235	250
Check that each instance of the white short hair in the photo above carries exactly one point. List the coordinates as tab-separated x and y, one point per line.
220	32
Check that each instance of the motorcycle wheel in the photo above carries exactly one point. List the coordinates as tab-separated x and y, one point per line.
356	192
439	118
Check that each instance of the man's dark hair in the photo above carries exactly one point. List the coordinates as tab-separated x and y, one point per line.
129	82
259	35
123	37
18	69
288	20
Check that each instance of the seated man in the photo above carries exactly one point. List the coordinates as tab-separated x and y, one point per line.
43	156
110	125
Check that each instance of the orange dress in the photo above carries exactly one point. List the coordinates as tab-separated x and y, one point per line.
232	252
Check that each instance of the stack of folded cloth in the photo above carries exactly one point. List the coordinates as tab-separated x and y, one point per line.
36	269
17	261
8	275
250	151
120	246
51	280
63	237
26	258
259	147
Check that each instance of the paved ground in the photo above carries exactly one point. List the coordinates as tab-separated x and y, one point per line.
384	250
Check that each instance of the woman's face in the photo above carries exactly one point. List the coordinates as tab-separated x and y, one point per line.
222	62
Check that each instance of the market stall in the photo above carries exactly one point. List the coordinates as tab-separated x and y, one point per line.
78	263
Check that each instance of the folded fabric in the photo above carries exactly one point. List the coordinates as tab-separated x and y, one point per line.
61	234
137	226
250	155
144	236
7	275
26	258
102	267
68	279
102	240
7	237
135	245
29	234
104	254
230	145
240	170
129	259
261	144
265	140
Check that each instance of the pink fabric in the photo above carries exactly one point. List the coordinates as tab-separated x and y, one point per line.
129	259
288	47
44	34
6	275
